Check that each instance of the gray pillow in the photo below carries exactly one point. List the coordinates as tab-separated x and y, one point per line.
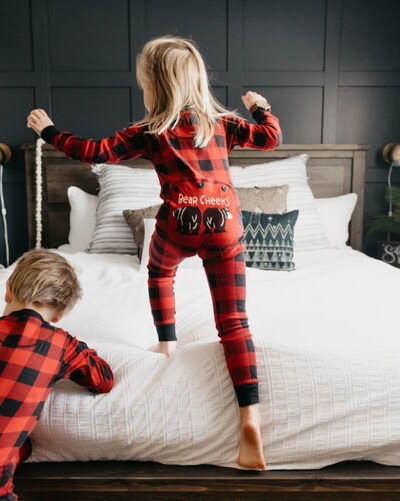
271	200
135	219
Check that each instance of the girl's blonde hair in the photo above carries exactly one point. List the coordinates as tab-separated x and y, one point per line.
174	71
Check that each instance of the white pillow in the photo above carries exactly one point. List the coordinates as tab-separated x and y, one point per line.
336	213
309	233
121	188
82	218
193	262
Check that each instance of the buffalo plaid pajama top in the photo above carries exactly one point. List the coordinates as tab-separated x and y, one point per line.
200	215
33	356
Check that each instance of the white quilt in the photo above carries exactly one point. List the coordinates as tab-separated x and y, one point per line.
328	352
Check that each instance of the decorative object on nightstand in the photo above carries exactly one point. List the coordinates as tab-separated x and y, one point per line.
5	156
389	250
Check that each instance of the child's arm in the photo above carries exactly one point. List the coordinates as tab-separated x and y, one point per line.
126	143
265	135
83	366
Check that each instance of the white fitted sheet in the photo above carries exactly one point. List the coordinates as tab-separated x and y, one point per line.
328	353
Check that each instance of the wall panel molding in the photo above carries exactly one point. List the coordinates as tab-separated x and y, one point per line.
331	67
18	78
369	78
41	54
16	37
91	78
235	54
137	38
284	78
380	175
347	90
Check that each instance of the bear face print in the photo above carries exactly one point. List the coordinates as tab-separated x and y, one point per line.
189	220
215	219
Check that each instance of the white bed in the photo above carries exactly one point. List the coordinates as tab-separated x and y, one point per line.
329	377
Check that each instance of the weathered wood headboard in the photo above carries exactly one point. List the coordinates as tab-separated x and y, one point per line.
332	170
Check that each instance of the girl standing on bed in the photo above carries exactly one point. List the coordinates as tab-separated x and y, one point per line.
187	135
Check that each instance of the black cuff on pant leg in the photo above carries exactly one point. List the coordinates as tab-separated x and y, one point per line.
247	394
166	332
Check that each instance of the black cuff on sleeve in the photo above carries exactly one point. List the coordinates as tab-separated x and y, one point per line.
48	133
247	394
166	332
259	114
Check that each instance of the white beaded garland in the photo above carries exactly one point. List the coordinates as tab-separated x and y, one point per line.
39	191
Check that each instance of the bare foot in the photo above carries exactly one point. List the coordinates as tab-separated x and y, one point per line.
164	347
251	453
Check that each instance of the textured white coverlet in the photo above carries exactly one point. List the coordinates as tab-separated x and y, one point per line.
328	354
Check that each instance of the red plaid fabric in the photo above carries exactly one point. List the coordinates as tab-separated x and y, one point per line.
33	356
226	273
184	226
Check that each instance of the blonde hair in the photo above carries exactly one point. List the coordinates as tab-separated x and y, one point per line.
44	277
176	74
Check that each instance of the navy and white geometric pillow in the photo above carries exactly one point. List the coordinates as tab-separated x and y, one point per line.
269	240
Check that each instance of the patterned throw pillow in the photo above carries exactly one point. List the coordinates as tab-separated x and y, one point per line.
269	240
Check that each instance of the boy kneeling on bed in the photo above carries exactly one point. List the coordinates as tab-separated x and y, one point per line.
34	354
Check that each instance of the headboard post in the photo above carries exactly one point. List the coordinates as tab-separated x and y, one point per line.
332	170
358	182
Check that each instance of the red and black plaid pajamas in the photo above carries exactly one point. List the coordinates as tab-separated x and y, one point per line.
33	356
226	274
200	215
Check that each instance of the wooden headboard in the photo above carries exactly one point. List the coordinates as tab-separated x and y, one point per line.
332	170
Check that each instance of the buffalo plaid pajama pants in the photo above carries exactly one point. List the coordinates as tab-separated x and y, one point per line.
226	274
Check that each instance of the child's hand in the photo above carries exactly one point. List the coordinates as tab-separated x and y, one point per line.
252	98
38	120
164	347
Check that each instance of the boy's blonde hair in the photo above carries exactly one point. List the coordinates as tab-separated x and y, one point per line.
43	277
175	72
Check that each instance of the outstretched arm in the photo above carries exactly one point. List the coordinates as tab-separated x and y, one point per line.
127	143
83	366
265	135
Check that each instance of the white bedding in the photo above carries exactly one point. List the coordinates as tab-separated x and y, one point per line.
328	354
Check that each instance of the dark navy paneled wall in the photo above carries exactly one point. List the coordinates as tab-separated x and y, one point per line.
330	68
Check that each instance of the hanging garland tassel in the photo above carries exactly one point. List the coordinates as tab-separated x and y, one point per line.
39	192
